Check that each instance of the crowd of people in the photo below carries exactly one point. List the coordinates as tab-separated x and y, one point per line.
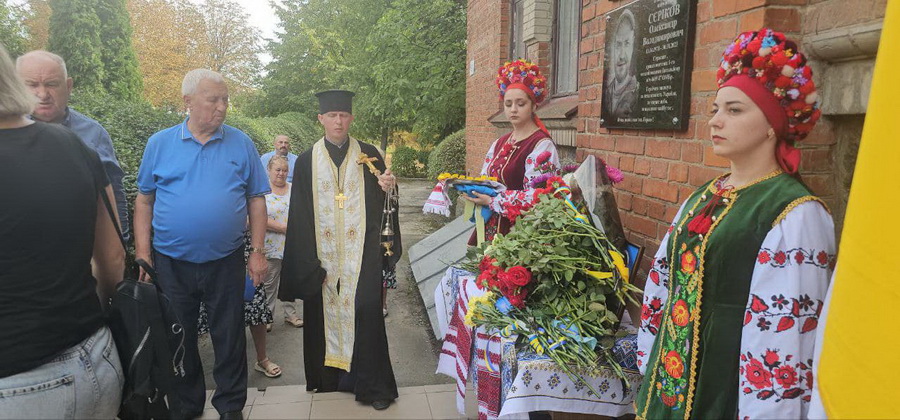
213	218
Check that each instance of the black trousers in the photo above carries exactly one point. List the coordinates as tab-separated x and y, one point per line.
220	285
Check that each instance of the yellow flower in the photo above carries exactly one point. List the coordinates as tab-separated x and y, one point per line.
619	263
599	275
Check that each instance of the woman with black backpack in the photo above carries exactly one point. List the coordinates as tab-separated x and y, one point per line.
59	255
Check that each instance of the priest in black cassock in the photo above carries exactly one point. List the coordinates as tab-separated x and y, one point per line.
333	259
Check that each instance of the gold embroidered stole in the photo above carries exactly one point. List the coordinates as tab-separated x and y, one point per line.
339	202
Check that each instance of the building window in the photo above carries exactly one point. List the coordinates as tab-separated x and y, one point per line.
566	31
516	39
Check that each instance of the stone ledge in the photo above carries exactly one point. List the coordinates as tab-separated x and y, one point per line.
844	44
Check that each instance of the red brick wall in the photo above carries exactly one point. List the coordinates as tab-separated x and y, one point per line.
662	168
488	45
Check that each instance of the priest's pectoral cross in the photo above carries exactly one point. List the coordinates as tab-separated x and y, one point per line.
340	199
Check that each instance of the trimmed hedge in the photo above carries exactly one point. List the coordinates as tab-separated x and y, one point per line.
405	162
302	131
448	156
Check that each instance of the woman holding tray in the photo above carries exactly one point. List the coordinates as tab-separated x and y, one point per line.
731	306
521	155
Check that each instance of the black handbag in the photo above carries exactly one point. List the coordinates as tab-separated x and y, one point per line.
150	341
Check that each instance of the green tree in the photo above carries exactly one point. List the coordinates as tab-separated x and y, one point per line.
231	44
12	33
75	36
405	59
122	78
420	70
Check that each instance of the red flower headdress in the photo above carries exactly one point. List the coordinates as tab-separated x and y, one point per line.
770	69
524	75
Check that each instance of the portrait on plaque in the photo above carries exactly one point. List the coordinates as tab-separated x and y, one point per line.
622	87
647	65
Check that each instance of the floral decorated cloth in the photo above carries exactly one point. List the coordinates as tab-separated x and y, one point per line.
454	291
736	318
533	382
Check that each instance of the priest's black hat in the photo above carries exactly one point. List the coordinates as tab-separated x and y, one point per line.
335	100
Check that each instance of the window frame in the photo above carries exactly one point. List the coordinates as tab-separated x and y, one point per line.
517	31
554	40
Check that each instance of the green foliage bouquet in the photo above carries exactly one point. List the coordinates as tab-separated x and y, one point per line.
555	280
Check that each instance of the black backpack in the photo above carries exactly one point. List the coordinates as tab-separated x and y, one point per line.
150	341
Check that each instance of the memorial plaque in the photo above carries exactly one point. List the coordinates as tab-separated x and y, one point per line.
647	65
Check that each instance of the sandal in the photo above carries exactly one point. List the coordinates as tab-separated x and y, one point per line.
271	370
296	322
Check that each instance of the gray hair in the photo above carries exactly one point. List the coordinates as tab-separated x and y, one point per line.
15	99
276	159
44	54
192	80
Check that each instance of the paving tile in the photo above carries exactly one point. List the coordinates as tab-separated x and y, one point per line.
471	404
328	396
443	405
410	390
283	394
212	414
440	388
413	406
296	410
285	390
252	394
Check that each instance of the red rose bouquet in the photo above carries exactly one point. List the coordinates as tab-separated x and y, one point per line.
550	280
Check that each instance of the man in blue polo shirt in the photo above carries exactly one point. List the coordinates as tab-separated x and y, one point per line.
198	182
282	145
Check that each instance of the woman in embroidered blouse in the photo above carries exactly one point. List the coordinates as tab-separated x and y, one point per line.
521	155
739	280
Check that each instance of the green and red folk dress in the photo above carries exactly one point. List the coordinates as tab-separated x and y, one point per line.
732	301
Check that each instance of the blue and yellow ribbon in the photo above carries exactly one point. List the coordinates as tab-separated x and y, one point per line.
568	199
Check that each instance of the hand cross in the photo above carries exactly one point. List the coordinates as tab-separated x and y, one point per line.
365	159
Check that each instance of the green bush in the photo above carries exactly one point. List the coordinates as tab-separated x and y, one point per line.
302	131
405	163
448	156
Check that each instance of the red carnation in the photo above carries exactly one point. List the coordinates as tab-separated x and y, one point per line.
720	74
485	280
543	157
518	299
487	264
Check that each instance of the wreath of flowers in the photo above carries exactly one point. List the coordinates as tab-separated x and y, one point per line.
774	61
524	72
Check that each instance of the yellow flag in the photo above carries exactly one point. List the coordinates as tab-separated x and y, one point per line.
860	360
